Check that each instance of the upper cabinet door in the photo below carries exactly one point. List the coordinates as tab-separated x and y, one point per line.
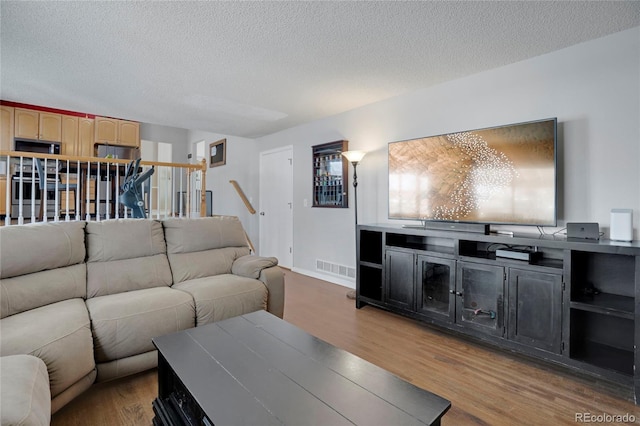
26	123
6	129
50	127
30	124
70	135
106	130
85	137
129	133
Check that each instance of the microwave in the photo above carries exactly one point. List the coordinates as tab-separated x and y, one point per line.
40	147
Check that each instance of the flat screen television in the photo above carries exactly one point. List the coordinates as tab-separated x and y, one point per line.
498	175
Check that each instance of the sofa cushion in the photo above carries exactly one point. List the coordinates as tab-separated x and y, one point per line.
123	324
203	247
204	233
189	266
125	255
25	398
31	291
54	245
224	296
41	264
59	334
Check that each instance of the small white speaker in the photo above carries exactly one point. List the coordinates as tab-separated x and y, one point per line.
622	224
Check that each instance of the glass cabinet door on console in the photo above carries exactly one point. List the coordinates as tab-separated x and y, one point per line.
480	297
436	283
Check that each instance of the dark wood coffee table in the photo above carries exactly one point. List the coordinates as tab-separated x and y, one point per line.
257	369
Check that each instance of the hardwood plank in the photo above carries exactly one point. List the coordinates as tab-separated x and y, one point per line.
486	386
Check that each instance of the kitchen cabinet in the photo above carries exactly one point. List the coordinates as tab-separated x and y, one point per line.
30	124
86	137
129	133
3	195
117	132
6	127
69	145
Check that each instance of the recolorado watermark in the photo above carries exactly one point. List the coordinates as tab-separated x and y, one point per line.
604	418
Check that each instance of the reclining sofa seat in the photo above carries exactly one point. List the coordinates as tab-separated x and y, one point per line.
210	259
129	295
42	304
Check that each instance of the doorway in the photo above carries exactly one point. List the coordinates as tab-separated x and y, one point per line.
160	184
276	205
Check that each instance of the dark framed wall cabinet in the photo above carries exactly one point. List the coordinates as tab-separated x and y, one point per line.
330	175
576	304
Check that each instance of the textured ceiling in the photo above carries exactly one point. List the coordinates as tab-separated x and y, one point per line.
253	68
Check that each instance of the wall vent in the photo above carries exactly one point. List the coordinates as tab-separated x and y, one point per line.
335	269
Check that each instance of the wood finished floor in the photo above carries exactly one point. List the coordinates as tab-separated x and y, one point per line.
485	386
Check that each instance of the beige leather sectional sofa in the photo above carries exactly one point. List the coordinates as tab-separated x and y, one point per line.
87	297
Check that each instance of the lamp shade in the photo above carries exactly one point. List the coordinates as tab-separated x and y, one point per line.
354	156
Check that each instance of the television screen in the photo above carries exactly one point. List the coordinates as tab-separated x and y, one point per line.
499	175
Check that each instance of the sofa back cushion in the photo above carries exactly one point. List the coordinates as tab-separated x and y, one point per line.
125	255
203	247
41	264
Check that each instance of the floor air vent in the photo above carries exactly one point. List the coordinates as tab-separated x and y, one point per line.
335	269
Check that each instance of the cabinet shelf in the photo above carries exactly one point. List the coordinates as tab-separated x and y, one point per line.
370	281
420	242
371	265
605	356
370	247
608	304
555	264
601	339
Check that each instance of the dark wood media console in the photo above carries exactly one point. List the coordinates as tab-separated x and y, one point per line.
577	304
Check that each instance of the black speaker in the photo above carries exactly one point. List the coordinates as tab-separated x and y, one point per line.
479	228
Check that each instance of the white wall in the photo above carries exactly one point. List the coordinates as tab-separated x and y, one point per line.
592	88
175	136
241	166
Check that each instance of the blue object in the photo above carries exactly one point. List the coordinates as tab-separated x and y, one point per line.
131	195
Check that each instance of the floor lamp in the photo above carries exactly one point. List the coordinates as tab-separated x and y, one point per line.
354	157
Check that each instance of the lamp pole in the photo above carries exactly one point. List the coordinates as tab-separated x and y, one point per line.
355	192
354	157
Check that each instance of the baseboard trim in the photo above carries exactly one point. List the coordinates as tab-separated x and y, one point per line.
326	277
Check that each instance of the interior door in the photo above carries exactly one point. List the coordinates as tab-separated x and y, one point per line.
276	205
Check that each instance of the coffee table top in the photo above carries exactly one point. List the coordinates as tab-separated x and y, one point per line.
258	369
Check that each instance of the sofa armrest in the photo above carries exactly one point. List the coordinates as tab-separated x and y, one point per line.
250	266
266	270
273	278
